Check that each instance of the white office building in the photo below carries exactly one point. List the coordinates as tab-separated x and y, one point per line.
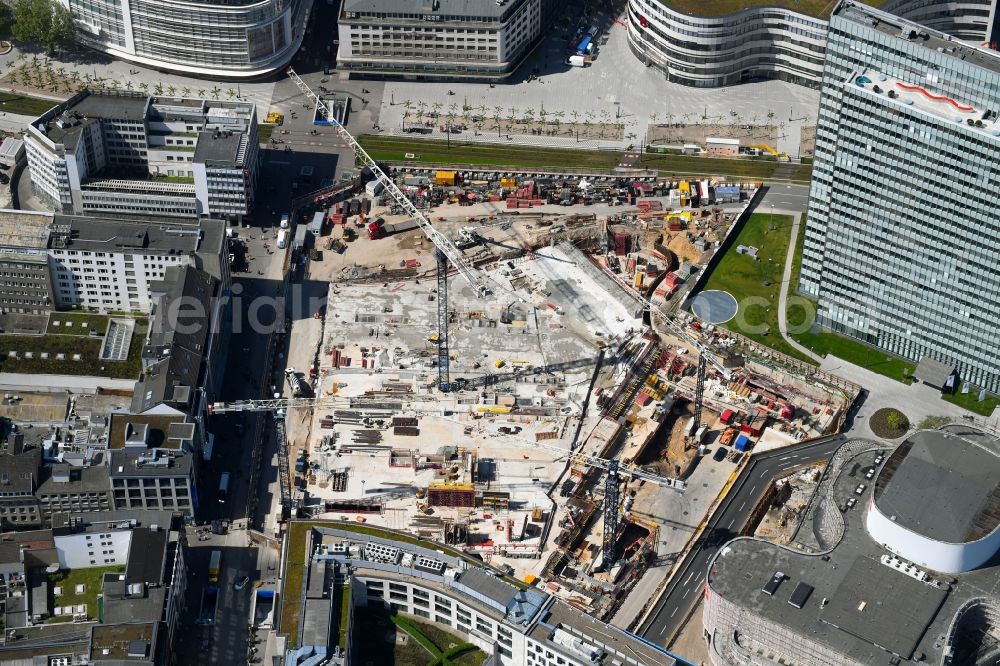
126	153
217	39
769	39
440	39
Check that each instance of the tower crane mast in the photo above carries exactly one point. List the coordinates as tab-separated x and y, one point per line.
445	248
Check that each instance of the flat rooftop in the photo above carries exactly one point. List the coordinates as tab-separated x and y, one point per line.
103	234
163	431
470	9
624	646
716	8
218	146
965	476
21	229
857	606
933	40
860	607
121	641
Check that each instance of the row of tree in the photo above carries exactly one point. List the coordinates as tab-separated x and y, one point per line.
43	21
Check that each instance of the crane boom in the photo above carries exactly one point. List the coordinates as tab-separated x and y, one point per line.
441	242
607	465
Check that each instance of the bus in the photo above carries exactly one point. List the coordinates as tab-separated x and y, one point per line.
215	566
223	486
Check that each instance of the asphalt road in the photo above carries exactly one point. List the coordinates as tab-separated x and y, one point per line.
685	587
784	197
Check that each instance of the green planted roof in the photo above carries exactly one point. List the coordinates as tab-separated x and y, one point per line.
714	8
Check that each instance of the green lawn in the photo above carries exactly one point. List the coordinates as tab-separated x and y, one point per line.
91	580
340	613
170	179
25	105
88	347
821	8
756	283
436	151
76	323
858	353
715	166
264	132
970	401
447	648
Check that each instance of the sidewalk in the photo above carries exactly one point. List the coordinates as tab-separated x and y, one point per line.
917	401
786	280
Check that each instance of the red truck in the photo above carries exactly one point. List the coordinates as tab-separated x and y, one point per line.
374	231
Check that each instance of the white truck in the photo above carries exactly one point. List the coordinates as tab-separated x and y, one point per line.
282	239
577	61
284	221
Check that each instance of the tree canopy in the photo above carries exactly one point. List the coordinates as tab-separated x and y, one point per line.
44	21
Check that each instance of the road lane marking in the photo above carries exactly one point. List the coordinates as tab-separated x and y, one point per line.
686	593
741	506
672	614
690	576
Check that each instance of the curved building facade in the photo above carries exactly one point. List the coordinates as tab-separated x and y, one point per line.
768	42
227	39
953	529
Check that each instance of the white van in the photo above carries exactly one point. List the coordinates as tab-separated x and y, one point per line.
284	221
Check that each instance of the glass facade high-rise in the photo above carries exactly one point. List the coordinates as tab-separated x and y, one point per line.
902	244
223	38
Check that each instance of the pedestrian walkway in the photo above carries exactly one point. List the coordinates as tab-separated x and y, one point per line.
917	401
786	280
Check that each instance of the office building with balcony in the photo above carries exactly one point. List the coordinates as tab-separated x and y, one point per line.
130	154
221	40
440	39
697	44
903	239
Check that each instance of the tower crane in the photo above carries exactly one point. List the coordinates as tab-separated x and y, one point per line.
446	250
614	471
699	390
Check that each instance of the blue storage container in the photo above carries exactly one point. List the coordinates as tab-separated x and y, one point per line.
742	443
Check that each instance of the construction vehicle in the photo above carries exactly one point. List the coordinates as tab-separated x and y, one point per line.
763	148
296	383
214	566
447	253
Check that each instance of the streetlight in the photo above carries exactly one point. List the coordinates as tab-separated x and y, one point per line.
618	109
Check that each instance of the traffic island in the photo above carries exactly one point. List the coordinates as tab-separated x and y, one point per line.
889	423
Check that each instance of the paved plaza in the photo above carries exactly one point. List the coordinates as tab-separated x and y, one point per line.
616	85
616	88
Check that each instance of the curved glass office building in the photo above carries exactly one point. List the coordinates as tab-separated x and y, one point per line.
695	46
223	38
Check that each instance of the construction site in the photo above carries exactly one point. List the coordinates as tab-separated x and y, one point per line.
529	387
